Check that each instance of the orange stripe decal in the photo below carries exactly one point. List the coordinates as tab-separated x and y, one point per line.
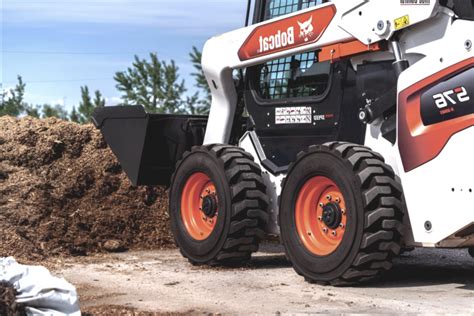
299	30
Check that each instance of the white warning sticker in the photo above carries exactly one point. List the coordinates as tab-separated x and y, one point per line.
293	115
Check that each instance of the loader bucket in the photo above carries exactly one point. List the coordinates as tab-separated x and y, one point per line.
148	145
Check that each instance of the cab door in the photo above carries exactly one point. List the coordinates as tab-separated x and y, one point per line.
297	101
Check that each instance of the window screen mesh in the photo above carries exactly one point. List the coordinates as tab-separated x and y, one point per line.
276	77
277	8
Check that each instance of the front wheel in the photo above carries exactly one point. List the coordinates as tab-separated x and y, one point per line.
341	214
218	206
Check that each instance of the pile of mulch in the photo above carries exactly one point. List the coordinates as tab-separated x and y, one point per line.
62	192
125	311
8	306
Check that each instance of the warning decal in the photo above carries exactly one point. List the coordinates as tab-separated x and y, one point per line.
293	115
402	22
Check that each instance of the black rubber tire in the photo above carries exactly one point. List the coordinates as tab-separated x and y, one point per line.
374	228
243	205
471	251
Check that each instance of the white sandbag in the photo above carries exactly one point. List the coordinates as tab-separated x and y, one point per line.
39	291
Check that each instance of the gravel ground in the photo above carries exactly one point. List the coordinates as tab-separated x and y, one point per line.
422	281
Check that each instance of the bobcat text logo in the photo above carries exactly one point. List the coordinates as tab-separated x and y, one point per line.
286	38
280	39
306	29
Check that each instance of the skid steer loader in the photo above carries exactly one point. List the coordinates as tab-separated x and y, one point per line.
346	133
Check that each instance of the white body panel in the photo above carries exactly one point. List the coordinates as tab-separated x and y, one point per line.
273	182
435	43
220	53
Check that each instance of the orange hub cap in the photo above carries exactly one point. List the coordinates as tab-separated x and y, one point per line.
199	208
320	215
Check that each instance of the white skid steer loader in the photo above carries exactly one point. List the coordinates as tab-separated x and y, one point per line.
346	132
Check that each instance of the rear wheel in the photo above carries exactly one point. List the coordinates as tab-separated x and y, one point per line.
341	214
218	206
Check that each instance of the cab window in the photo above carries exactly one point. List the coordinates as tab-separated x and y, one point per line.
296	76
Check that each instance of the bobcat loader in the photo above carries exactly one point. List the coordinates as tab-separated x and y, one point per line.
346	132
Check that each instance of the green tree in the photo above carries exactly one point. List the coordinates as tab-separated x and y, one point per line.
201	81
74	116
87	105
99	100
13	100
154	84
33	110
54	111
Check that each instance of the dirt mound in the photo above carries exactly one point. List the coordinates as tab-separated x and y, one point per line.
8	307
122	311
63	192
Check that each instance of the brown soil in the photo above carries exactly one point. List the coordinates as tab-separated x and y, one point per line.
112	310
8	307
62	192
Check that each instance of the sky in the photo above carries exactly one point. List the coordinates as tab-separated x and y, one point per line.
57	46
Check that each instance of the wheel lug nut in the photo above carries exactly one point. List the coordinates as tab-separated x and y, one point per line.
334	233
211	221
320	218
325	230
338	200
343	212
208	191
329	198
342	226
321	205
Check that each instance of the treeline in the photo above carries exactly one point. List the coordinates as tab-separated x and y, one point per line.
153	83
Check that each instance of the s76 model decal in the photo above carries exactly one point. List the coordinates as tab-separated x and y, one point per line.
433	110
449	99
295	31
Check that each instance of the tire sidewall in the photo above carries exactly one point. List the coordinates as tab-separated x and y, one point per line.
208	163
330	165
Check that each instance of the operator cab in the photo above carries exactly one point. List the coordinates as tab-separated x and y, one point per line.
297	101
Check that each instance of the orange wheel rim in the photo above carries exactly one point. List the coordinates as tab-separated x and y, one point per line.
199	209
321	216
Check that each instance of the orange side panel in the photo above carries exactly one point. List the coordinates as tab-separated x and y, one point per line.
419	144
343	50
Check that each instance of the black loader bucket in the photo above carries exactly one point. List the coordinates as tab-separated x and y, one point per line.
148	145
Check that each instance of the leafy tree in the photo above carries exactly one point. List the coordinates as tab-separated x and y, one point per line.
74	116
196	106
33	110
54	111
99	100
154	84
13	100
201	81
87	105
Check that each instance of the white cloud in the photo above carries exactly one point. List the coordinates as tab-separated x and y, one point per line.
113	101
188	16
